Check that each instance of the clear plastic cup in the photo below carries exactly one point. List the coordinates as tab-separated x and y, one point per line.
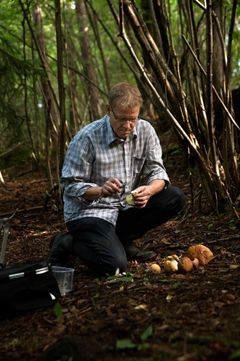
64	278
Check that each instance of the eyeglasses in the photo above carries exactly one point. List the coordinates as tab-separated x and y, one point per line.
123	120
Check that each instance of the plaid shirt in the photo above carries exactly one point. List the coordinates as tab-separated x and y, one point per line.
96	154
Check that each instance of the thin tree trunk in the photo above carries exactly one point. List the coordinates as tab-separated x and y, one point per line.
186	104
111	37
87	61
36	114
61	88
28	121
94	24
49	99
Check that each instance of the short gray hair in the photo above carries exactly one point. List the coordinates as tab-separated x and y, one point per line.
125	95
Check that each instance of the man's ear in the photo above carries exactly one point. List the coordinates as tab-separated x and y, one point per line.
108	109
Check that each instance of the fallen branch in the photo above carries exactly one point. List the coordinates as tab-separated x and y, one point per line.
9	151
230	238
2	215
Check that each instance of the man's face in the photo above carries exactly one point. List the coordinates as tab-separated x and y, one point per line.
123	120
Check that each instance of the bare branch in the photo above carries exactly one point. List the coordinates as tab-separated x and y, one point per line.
191	139
202	6
214	89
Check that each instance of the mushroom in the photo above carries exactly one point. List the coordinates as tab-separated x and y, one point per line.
185	264
171	263
155	268
202	253
195	263
130	197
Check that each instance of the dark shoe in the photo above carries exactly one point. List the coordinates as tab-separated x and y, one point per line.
61	248
134	253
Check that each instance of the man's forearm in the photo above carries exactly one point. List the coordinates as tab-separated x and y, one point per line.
93	193
156	186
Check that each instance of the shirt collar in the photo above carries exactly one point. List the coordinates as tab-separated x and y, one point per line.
111	136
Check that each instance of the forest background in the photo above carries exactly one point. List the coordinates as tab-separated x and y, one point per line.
59	59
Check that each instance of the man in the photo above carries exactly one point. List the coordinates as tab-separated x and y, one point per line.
104	163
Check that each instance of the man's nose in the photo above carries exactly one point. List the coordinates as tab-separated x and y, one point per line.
128	124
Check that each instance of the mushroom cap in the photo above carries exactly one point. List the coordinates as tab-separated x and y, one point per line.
130	199
202	253
185	264
173	257
170	265
155	268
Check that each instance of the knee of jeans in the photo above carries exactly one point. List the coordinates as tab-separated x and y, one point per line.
117	265
179	198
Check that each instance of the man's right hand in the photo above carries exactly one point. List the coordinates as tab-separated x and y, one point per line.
111	186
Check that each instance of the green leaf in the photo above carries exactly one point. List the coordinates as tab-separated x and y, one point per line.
122	278
143	346
210	226
235	355
58	311
125	343
176	285
147	333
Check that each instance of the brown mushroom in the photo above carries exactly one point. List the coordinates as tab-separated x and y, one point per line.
195	263
155	268
171	263
185	264
202	253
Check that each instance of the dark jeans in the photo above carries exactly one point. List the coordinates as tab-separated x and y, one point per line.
101	244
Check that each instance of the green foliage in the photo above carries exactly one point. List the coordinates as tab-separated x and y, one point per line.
21	70
124	344
211	227
58	311
235	355
15	158
127	343
233	224
122	278
147	333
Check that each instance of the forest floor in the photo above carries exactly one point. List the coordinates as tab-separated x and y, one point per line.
139	316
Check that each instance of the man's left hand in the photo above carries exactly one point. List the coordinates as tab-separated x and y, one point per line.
141	196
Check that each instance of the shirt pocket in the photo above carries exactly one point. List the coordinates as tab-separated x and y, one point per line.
138	162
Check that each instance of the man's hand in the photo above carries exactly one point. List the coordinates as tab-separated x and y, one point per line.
111	186
141	196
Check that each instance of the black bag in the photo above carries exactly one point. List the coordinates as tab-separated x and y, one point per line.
25	288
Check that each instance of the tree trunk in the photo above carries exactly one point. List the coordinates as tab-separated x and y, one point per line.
188	101
61	88
94	23
49	101
87	61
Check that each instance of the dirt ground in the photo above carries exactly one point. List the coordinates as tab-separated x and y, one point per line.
145	316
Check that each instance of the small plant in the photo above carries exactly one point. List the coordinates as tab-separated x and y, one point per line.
58	311
121	278
127	343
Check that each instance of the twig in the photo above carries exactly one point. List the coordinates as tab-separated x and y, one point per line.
20	211
230	238
213	87
202	6
9	151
